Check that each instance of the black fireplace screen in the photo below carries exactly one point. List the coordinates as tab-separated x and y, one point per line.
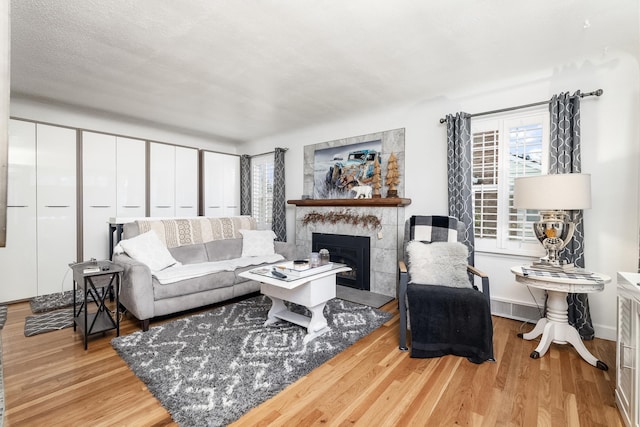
353	251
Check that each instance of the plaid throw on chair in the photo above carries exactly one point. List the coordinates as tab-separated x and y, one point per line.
433	229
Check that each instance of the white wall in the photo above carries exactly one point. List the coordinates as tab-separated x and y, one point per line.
610	153
29	109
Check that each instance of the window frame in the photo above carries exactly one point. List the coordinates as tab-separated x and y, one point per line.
502	122
256	199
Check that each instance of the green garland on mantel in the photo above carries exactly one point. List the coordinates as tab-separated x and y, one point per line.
347	217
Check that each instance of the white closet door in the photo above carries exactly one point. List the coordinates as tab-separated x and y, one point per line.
162	176
98	193
213	178
131	177
186	196
231	187
18	260
56	207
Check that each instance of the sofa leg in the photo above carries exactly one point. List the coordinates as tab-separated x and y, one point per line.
145	325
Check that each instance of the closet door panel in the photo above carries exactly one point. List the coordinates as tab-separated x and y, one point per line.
130	177
56	207
18	260
186	196
231	187
98	193
162	175
213	177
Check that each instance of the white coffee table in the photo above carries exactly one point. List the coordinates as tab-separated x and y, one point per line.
311	291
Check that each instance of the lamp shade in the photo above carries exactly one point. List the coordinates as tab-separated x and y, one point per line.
568	191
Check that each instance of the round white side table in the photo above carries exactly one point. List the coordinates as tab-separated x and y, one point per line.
555	326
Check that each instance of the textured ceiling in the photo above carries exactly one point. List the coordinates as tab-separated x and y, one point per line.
244	69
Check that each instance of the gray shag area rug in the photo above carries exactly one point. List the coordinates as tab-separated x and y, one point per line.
210	368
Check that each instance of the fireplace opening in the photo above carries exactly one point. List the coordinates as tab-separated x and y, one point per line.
353	251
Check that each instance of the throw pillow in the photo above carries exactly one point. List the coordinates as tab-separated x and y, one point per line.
257	242
438	263
148	249
433	228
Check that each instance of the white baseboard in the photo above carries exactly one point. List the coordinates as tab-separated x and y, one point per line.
531	313
517	311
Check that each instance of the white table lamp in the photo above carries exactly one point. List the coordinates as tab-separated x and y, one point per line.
553	195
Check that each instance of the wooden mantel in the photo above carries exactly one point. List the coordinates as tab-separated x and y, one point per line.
381	202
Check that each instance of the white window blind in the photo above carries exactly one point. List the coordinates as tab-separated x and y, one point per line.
262	190
505	147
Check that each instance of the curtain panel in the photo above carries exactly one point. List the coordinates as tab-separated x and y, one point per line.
279	225
565	157
459	180
245	185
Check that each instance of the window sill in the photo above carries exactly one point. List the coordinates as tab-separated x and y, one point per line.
509	254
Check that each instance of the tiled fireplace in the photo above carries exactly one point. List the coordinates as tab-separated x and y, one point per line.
385	242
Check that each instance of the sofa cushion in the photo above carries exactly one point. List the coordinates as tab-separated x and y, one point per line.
207	282
148	249
257	242
190	254
220	250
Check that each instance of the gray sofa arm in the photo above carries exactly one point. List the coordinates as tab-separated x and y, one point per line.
136	292
286	249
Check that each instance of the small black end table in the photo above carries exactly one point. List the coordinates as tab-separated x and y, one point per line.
96	279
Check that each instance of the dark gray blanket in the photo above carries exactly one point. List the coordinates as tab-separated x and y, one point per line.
447	320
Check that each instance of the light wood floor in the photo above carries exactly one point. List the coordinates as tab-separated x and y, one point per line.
51	380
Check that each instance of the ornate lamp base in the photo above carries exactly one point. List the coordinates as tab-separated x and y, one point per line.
554	231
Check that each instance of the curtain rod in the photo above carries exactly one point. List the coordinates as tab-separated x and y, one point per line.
597	92
268	152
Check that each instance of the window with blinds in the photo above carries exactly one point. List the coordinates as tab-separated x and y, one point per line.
262	190
505	147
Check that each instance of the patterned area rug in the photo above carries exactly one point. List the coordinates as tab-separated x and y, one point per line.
44	303
1	388
51	312
3	318
47	322
211	368
3	315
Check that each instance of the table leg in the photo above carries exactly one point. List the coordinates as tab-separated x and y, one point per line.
545	341
317	324
573	337
277	306
318	321
118	284
536	331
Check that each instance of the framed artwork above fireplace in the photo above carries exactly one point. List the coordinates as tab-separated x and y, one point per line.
332	167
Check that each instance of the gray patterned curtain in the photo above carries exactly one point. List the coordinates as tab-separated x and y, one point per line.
564	157
245	185
279	225
459	174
